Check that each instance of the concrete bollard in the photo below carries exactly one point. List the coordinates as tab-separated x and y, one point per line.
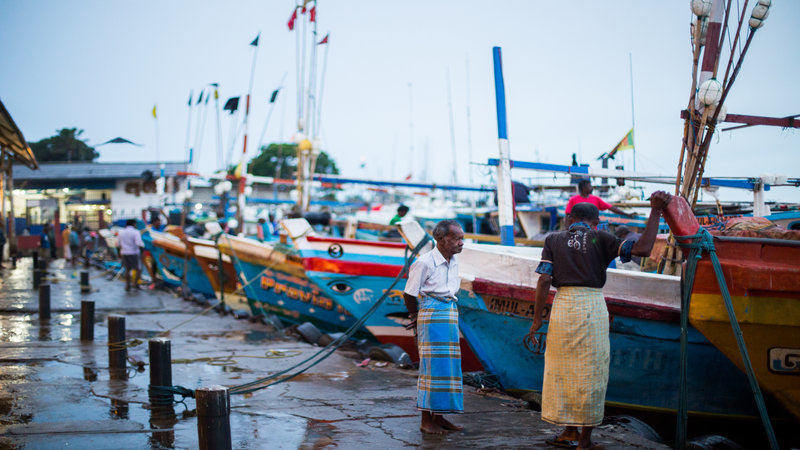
117	351
85	282
213	418
87	320
160	350
44	301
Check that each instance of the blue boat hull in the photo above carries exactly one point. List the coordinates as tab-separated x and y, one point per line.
645	358
295	299
170	268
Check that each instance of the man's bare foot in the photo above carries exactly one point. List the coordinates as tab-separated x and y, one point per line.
446	424
569	434
431	428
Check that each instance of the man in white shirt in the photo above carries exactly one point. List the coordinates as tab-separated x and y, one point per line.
130	243
434	279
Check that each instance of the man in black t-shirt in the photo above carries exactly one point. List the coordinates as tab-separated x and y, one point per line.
577	356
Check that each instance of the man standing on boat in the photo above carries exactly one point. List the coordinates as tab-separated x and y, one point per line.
434	279
585	196
576	358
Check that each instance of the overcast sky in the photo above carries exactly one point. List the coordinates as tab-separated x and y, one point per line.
102	65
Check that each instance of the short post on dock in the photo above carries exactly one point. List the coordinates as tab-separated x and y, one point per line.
213	418
87	320
117	349
85	282
44	301
160	350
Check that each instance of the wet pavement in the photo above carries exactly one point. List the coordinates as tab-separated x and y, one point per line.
56	391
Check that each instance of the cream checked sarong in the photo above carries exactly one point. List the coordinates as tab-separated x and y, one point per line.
576	358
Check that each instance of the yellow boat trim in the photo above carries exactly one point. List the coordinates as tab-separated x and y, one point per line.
768	311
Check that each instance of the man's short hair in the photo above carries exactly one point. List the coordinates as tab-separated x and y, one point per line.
130	223
583	182
402	209
443	228
622	231
585	212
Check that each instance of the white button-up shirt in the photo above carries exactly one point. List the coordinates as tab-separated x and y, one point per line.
129	240
433	275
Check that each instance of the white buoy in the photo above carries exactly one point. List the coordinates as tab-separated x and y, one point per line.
759	14
701	8
710	92
703	30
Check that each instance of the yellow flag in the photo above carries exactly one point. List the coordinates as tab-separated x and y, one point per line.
624	144
154	112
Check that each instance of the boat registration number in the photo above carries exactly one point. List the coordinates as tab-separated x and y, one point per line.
505	305
785	361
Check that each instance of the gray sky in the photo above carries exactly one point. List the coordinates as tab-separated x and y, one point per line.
101	65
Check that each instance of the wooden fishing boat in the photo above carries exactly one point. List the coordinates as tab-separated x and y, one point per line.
355	273
217	266
496	305
763	278
274	281
169	253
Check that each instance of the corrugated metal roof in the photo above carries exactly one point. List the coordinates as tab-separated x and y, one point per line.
12	140
95	171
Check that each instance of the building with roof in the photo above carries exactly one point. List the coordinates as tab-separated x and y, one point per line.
92	193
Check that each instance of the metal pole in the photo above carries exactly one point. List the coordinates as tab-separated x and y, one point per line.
117	350
504	196
87	320
213	418
44	302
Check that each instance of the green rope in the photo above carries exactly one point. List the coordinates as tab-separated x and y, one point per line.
704	242
326	351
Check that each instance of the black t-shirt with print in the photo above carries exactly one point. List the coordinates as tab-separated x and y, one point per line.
580	256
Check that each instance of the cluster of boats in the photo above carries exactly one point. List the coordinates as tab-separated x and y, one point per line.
333	281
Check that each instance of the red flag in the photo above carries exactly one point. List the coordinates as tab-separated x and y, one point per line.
324	40
303	11
408	177
292	19
312	14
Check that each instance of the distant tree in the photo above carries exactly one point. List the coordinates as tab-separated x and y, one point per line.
66	145
280	161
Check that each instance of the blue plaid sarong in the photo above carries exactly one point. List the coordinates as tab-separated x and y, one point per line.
439	384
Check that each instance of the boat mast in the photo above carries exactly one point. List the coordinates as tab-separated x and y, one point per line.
410	129
504	195
220	156
243	159
633	113
469	126
454	175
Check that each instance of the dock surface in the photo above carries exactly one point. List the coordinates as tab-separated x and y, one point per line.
56	391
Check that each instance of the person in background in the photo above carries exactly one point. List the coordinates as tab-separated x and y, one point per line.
65	243
434	280
260	229
577	355
585	196
51	235
74	240
44	241
3	240
130	245
402	210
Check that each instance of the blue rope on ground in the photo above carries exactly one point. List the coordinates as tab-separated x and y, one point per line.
700	243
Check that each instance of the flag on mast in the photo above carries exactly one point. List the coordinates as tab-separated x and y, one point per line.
254	43
155	116
292	20
624	144
312	14
324	40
